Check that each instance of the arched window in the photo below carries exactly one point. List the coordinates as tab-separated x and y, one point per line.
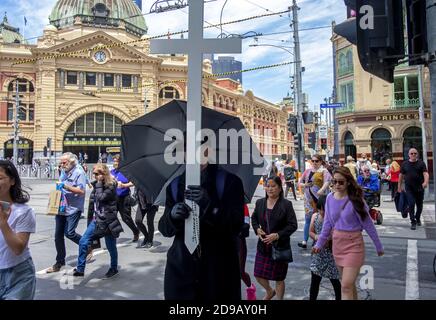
350	148
25	150
381	145
24	85
95	123
412	139
227	104
97	134
169	93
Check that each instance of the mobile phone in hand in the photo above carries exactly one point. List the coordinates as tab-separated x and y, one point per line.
5	205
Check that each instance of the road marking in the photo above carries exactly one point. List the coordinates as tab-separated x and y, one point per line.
99	252
412	281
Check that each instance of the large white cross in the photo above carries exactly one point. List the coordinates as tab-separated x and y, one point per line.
195	46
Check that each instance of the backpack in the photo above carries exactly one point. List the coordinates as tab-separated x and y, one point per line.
289	173
220	182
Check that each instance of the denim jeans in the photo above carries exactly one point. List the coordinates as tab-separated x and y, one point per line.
86	241
307	220
65	227
18	282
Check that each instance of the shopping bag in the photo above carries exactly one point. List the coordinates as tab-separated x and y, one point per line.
54	201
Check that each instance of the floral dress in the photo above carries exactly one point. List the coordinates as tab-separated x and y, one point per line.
323	263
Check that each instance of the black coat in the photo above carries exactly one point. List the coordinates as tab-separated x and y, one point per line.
212	272
283	221
106	220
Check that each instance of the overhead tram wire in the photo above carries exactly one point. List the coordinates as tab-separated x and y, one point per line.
119	44
305	29
216	75
266	9
210	24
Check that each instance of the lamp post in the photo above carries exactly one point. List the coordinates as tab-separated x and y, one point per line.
299	112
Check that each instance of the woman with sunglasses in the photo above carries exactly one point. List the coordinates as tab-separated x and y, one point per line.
315	182
105	222
347	215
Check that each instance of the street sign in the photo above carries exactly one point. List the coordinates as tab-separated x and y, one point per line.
322	132
331	105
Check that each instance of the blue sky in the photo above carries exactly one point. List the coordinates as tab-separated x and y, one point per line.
272	84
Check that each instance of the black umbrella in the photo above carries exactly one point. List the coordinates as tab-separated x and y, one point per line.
147	145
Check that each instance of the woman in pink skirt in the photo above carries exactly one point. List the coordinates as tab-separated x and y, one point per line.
346	213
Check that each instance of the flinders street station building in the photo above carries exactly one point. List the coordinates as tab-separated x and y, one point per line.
80	101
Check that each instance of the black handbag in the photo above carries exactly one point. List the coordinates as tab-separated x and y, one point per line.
280	254
283	255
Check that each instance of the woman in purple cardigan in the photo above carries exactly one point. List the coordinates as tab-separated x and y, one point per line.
347	215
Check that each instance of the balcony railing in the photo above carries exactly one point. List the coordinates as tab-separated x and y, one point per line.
346	109
405	103
345	71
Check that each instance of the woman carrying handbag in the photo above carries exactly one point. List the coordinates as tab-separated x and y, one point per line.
274	222
105	222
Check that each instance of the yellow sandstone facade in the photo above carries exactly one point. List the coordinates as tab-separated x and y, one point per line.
379	118
80	101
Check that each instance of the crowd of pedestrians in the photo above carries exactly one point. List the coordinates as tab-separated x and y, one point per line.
335	216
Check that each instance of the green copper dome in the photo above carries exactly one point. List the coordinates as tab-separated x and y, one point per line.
9	33
99	13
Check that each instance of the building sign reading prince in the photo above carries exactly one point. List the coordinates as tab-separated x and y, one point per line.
407	116
384	117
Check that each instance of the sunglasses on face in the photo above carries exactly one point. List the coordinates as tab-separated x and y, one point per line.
339	182
96	173
315	161
365	170
413	153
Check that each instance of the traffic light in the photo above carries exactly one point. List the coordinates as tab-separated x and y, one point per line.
378	32
307	117
45	151
49	143
292	124
297	142
324	144
417	31
312	140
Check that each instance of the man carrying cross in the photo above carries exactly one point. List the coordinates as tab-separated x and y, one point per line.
202	267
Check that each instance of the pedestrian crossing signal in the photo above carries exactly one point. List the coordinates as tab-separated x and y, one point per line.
324	144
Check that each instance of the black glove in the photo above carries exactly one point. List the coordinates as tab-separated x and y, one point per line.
198	195
245	230
180	211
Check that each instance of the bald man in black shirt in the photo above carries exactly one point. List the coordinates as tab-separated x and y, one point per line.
414	174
